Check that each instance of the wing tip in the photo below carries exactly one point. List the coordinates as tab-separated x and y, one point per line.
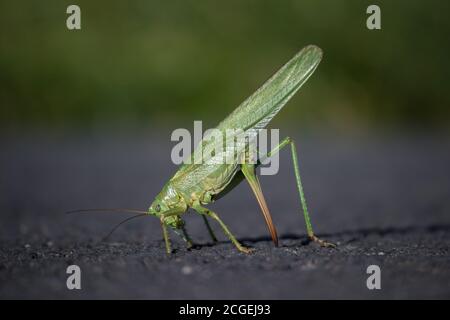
314	50
313	47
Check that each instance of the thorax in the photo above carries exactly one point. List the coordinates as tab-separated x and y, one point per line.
201	182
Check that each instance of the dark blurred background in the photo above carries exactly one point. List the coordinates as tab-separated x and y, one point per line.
146	63
86	117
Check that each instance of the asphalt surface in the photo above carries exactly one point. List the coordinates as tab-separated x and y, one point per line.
384	201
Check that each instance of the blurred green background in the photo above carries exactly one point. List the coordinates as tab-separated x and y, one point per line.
146	63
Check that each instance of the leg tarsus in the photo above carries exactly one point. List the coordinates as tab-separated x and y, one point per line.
322	243
245	250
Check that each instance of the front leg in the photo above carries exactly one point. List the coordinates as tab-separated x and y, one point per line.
165	235
163	218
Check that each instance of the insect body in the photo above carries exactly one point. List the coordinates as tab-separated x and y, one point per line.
195	185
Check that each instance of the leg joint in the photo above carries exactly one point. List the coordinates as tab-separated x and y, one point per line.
212	214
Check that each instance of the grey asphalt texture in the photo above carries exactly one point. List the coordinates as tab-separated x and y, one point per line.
383	198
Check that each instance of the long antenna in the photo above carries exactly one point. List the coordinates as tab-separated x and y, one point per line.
122	222
105	210
140	213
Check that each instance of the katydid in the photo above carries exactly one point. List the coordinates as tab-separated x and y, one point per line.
195	185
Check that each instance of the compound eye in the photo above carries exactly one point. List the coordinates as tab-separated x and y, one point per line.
158	208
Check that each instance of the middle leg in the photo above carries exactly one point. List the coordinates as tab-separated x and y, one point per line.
204	211
210	230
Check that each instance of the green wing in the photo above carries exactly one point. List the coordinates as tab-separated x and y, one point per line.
258	110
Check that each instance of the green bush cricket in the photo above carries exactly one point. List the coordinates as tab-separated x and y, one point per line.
195	185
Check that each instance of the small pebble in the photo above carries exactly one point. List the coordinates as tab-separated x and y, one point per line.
381	253
186	270
27	246
308	266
